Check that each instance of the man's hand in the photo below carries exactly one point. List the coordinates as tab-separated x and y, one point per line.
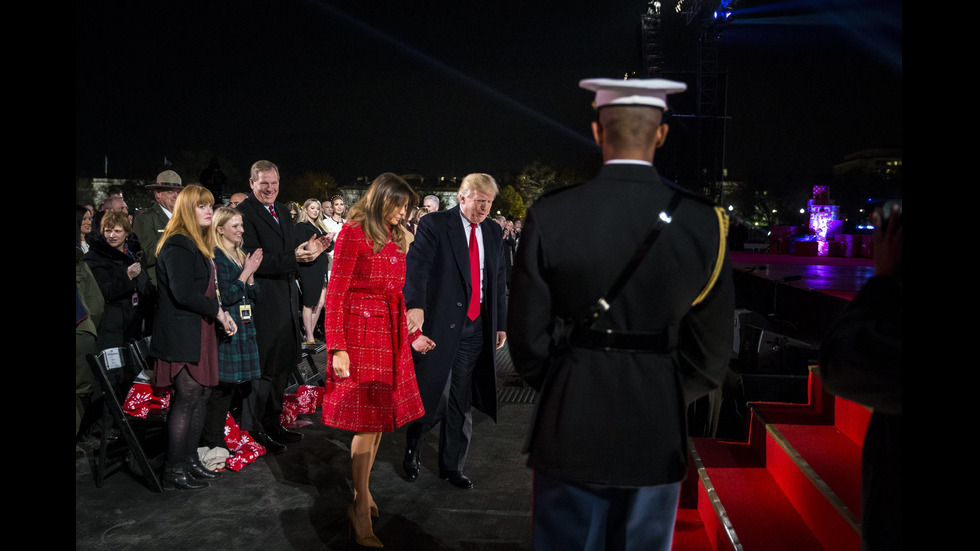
324	241
501	339
307	252
415	318
423	344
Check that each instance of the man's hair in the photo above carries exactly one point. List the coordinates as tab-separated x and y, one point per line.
630	127
113	202
432	197
262	166
483	183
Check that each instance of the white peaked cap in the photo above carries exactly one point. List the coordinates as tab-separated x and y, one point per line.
651	92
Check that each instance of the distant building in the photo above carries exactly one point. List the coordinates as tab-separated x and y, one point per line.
883	163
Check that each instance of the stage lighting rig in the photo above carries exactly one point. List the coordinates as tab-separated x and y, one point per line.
722	11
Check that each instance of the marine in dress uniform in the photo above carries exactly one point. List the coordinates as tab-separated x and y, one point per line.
608	439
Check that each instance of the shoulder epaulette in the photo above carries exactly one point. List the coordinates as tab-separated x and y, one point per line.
722	248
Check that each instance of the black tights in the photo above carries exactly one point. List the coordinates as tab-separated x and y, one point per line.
188	407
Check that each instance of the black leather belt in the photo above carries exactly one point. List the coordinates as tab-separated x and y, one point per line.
607	339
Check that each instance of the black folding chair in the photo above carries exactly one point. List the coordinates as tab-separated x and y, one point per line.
142	349
115	369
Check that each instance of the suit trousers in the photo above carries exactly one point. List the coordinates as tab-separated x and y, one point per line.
595	517
457	418
266	398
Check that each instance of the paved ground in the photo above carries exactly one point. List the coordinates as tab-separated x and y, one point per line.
298	500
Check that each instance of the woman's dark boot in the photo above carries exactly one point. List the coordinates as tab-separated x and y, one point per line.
199	471
178	477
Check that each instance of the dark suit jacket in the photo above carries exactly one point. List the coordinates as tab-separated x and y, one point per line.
438	280
183	273
275	315
618	417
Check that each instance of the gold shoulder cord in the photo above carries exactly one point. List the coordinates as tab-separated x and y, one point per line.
722	241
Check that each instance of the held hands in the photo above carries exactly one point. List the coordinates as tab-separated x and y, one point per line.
341	364
415	318
423	344
134	269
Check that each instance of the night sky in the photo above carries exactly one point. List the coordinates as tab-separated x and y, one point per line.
355	88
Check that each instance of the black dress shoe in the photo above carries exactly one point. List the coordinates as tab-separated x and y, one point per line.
270	445
411	464
199	471
178	478
457	479
280	434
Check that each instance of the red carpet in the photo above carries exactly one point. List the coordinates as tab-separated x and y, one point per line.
794	484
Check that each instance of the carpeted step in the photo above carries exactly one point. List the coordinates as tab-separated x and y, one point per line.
798	476
741	505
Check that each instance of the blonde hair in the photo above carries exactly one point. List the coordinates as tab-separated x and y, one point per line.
303	217
184	219
388	193
221	217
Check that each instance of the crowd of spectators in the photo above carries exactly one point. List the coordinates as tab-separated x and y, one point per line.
117	286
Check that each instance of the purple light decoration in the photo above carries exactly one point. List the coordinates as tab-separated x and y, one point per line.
824	220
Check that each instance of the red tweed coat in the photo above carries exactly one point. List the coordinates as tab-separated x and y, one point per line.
365	315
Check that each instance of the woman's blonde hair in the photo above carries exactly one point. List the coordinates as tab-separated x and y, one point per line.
386	196
184	219
303	217
221	217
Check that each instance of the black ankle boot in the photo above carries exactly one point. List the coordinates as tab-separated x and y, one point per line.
199	471
177	477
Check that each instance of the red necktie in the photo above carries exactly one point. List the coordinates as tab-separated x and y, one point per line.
272	209
474	310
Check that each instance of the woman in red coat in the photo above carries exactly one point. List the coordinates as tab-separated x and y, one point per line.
372	389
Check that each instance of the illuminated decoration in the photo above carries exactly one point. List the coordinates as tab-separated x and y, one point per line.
824	219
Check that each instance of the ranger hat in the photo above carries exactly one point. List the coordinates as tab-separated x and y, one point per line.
167	179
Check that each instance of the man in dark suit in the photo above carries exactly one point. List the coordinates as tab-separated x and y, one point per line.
454	286
268	227
149	223
608	441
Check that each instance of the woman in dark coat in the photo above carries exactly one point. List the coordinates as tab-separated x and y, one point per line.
184	341
312	275
114	260
372	386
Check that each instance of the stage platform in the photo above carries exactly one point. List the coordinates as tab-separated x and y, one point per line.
841	277
805	292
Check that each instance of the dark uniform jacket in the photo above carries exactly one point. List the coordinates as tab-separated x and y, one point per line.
148	227
437	280
617	417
